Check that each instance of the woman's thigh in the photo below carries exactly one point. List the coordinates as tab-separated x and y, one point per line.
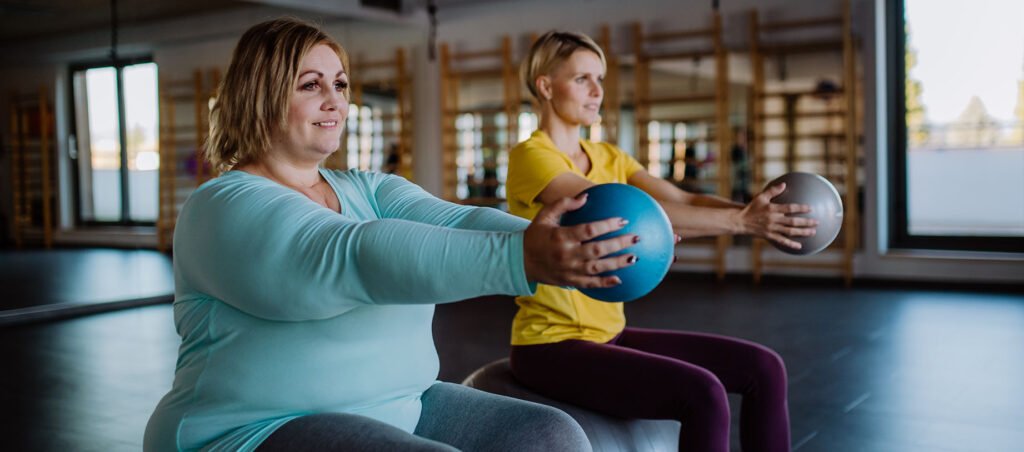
473	420
620	381
346	432
739	364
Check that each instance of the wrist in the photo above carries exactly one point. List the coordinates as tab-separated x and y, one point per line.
737	221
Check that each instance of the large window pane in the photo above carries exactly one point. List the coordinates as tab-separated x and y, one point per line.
101	199
964	91
140	105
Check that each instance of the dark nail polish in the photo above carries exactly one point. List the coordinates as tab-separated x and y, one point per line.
675	259
632	259
636	239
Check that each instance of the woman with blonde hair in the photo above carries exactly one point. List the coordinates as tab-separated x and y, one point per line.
304	297
570	347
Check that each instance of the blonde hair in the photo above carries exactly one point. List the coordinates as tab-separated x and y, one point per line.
252	99
552	49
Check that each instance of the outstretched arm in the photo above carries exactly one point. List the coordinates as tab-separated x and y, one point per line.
694	215
400	199
269	252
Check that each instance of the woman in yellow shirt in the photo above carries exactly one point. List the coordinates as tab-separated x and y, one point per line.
570	347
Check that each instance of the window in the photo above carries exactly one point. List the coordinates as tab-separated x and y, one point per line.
482	156
957	144
114	142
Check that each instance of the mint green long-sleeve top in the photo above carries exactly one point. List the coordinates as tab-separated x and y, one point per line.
286	308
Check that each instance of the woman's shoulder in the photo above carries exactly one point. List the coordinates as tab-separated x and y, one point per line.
538	142
232	183
357	177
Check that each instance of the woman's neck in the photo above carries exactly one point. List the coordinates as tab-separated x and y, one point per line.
285	172
565	136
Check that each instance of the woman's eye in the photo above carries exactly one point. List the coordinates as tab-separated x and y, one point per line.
310	86
340	86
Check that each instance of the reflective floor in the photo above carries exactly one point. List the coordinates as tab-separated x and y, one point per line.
38	285
871	368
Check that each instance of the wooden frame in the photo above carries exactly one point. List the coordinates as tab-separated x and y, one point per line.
498	64
644	99
384	75
849	157
181	142
32	167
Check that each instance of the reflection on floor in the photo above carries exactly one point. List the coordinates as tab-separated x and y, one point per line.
871	368
41	285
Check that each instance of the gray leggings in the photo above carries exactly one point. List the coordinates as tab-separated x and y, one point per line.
454	418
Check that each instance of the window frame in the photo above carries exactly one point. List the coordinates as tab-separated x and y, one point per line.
900	236
119	65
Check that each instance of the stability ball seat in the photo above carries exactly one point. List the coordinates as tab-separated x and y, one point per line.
606	433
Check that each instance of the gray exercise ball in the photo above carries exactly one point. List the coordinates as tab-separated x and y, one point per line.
826	207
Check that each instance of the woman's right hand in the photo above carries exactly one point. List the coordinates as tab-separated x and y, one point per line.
558	255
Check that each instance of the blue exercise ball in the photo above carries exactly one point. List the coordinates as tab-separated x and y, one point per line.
646	219
826	207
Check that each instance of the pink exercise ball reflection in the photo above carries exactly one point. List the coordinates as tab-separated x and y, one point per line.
826	207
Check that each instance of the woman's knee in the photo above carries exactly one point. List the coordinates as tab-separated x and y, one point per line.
344	431
546	428
769	368
702	394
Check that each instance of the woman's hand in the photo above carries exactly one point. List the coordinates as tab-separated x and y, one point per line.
773	221
557	255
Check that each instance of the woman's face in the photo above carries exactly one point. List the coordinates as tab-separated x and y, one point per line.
318	107
576	88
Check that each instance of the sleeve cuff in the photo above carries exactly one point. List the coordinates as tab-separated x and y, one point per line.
517	267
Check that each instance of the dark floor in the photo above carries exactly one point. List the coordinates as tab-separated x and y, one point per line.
38	285
871	368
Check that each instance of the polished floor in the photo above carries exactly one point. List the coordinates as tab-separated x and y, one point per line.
873	368
40	285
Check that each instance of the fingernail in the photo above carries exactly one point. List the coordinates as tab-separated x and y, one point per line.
675	259
678	238
632	259
636	239
617	281
623	221
583	196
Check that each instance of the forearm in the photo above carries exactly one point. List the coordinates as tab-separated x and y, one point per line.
706	200
401	199
691	221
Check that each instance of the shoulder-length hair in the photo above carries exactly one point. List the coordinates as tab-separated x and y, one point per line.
252	100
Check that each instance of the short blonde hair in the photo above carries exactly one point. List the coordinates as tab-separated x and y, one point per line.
552	49
252	99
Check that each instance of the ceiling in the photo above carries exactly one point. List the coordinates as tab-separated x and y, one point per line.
24	20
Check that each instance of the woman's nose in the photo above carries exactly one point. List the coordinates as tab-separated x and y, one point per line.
334	101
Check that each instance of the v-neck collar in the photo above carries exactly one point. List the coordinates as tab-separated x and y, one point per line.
583	145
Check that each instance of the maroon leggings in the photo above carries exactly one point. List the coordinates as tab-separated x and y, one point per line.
656	374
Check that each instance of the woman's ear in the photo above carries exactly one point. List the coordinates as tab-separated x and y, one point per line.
543	84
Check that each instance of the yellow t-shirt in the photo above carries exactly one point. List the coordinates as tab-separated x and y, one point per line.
555	314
